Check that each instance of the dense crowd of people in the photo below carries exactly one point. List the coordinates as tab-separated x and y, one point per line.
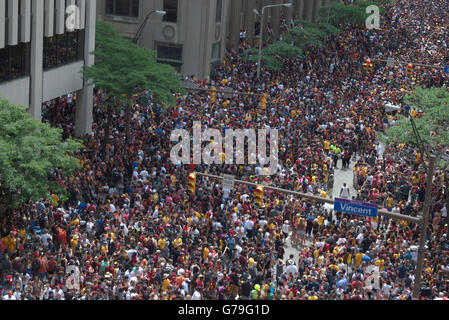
130	230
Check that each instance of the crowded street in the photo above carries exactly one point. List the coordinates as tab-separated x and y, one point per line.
131	230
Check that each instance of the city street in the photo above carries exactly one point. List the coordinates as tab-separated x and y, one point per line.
341	176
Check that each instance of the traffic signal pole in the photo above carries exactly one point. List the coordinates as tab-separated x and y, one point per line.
226	92
407	63
422	220
423	229
312	197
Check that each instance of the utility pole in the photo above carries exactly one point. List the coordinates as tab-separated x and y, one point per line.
423	229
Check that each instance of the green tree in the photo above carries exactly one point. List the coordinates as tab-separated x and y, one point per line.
293	44
31	156
122	69
338	14
433	126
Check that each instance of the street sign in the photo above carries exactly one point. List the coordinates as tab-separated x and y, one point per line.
391	62
446	69
355	207
228	181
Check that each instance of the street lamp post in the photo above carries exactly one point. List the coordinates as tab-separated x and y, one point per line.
139	32
261	32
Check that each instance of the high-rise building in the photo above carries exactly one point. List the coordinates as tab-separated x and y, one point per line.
44	45
193	35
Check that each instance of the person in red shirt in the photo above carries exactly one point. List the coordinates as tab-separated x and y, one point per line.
52	265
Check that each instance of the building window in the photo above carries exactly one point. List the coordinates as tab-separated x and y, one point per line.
15	62
63	49
170	54
171	7
216	51
4	64
129	8
215	56
218	11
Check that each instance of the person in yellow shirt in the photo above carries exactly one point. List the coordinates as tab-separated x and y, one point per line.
11	244
54	200
74	242
177	242
396	256
5	241
165	282
161	243
320	260
335	252
292	113
104	250
327	146
296	185
389	202
320	220
358	259
206	252
349	259
380	263
316	253
75	222
334	266
110	235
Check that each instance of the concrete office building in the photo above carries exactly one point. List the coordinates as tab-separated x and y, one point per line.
193	35
40	59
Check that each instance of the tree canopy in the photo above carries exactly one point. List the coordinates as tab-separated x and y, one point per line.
433	126
294	43
31	156
340	14
122	69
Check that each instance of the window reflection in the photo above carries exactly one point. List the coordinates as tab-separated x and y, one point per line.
63	49
14	62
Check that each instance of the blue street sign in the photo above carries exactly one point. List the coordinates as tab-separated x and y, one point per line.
355	207
446	69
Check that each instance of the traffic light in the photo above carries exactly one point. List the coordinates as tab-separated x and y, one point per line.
409	69
263	103
258	196
191	184
369	66
365	67
213	95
